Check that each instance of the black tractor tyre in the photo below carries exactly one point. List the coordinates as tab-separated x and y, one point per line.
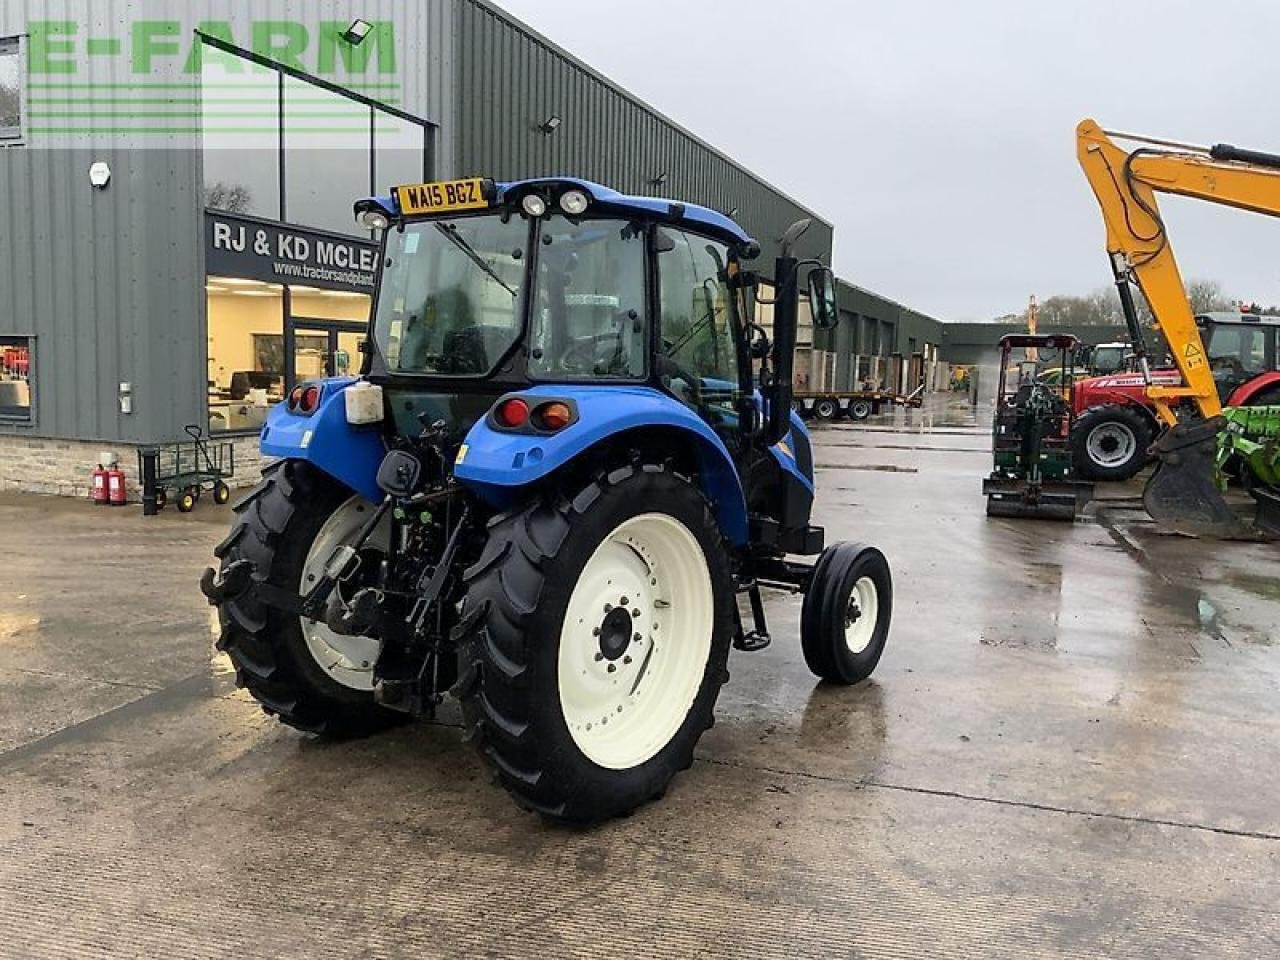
830	608
860	409
275	525
509	638
221	493
826	408
1127	425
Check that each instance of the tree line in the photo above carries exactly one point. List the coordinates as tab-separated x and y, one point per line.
1102	307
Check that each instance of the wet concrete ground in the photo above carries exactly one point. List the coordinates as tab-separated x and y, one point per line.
1070	749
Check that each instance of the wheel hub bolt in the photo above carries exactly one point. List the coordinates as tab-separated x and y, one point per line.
624	602
626	659
635	612
612	667
599	656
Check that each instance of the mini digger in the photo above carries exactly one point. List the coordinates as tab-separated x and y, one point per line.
1031	432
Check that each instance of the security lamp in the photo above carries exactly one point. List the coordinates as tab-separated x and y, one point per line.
733	213
356	33
100	174
550	125
660	179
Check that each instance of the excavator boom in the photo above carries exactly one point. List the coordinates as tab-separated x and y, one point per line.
1183	492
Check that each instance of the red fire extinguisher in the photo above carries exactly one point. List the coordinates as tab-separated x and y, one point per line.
115	487
101	497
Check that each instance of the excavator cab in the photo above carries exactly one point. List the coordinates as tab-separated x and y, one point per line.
1030	435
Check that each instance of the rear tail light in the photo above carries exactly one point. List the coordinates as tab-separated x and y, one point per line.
553	416
512	413
309	400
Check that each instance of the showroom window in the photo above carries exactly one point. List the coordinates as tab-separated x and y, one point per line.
266	337
10	89
16	370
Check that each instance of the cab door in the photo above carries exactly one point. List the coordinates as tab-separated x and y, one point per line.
697	353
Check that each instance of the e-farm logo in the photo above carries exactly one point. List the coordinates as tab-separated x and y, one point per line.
166	79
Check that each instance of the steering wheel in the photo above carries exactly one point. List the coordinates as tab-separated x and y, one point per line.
581	355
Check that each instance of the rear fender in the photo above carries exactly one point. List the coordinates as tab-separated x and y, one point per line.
347	453
1244	394
498	465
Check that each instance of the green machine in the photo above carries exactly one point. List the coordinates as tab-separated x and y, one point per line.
1031	432
1251	443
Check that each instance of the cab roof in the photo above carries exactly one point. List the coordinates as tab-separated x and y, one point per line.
606	199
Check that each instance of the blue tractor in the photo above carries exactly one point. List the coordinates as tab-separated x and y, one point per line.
569	452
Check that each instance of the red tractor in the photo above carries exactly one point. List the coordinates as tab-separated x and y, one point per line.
1116	423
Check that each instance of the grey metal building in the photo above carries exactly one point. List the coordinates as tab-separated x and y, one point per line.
175	188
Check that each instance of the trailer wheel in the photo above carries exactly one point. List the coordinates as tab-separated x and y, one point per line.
1110	442
593	642
186	501
297	669
825	408
221	493
844	622
162	498
860	409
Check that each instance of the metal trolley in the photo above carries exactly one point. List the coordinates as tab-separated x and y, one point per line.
186	468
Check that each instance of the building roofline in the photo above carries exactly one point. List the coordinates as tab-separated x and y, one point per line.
595	74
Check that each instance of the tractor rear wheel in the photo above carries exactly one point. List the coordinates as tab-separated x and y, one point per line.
1110	442
299	670
848	607
593	642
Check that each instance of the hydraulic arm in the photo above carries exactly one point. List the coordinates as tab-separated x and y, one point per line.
1183	491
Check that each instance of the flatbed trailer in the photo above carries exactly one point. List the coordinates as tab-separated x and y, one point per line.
854	404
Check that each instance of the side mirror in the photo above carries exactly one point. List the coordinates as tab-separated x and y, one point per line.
822	298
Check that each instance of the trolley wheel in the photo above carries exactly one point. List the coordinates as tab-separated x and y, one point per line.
187	500
221	493
162	498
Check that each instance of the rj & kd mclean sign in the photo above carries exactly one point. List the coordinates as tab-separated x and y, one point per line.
259	250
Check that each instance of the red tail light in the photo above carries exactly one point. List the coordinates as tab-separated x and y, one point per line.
512	413
310	400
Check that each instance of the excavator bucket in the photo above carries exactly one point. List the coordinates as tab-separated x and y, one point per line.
1183	492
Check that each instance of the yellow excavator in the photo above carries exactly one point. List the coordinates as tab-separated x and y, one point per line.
1185	491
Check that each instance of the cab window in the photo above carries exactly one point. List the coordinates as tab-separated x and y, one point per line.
698	353
1239	351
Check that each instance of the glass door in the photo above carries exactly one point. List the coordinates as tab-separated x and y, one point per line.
323	348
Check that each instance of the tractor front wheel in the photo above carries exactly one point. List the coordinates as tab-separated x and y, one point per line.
1110	442
848	607
593	642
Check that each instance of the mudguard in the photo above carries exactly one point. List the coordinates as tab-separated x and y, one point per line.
1244	394
347	453
497	464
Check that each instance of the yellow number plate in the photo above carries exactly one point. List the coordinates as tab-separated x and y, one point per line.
442	197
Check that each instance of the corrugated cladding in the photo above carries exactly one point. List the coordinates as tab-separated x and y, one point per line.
111	282
510	79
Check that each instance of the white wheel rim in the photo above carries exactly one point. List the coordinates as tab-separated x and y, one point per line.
826	408
1111	444
623	716
348	660
862	410
861	615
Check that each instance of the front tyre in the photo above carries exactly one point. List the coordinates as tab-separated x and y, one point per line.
299	670
594	637
847	610
1110	442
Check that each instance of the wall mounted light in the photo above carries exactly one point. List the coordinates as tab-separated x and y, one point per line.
550	125
733	213
660	179
356	33
100	174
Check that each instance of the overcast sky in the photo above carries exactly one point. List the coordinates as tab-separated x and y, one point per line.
938	136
